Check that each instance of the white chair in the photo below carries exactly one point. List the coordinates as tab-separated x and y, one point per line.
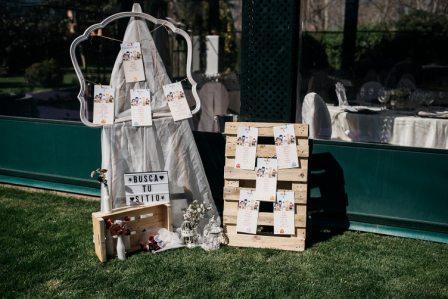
369	93
316	115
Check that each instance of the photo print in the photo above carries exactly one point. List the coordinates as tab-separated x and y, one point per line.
248	208
246	147
132	62
177	102
103	104
266	182
284	213
141	114
286	146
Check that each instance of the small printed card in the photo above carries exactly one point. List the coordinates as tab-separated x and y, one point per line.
284	213
133	62
286	147
177	101
246	147
266	184
247	218
141	107
103	104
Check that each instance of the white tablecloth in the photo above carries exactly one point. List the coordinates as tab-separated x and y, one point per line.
390	127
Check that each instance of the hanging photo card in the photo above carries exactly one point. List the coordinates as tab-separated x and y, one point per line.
146	188
286	146
132	62
141	107
246	147
177	101
266	184
247	217
103	104
284	213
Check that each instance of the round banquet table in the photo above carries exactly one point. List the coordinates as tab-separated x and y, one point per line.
388	126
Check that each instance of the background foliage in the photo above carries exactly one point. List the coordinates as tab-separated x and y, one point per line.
420	36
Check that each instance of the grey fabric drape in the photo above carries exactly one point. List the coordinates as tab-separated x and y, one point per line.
167	145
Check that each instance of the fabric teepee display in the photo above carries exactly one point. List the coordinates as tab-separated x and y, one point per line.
166	145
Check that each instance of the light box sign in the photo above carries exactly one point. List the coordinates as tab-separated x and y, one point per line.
146	188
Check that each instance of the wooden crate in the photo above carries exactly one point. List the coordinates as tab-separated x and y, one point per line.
288	179
141	217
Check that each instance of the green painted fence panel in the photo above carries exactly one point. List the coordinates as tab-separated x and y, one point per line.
58	151
382	184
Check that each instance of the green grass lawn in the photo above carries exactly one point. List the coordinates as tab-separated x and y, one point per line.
46	250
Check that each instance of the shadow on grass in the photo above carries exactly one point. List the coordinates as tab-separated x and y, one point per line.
327	201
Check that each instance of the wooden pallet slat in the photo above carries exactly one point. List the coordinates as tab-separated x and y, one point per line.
303	163
267	150
290	175
99	237
294	243
294	179
300	193
264	218
265	129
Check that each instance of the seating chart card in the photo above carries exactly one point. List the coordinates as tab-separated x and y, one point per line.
177	101
246	147
132	62
146	188
141	107
286	146
247	217
266	182
103	104
284	213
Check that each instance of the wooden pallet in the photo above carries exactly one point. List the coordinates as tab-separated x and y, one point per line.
288	179
142	217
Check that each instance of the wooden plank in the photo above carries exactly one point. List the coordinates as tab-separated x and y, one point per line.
169	220
264	218
300	232
265	129
99	237
231	183
130	211
267	150
233	193
135	241
293	174
157	220
292	243
230	162
302	192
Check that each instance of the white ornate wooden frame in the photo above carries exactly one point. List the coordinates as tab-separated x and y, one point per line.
104	23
